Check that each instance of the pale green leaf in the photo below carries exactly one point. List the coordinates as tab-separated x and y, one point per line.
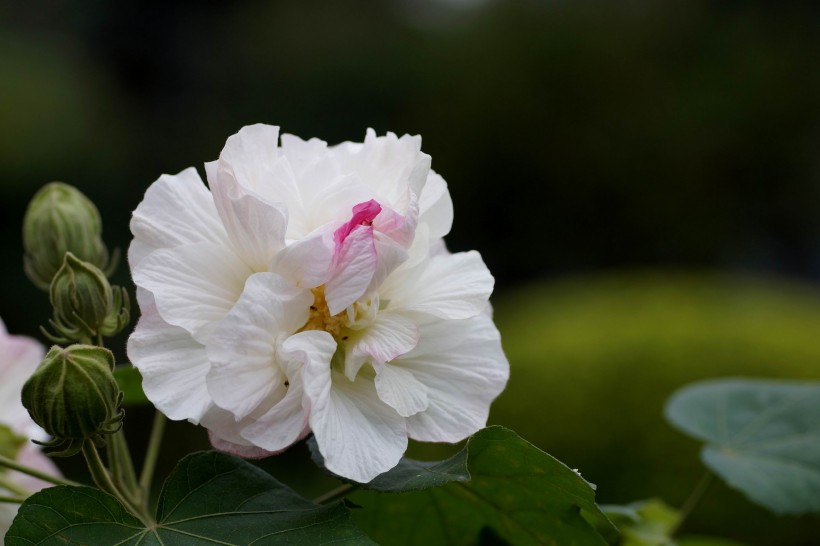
762	437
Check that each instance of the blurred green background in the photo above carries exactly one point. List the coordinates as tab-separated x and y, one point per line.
641	177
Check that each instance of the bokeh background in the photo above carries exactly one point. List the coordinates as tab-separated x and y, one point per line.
642	177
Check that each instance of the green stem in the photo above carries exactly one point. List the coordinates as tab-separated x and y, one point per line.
12	500
335	494
692	501
154	443
5	462
121	465
102	478
13	487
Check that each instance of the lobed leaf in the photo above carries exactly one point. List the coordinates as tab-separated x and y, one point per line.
498	481
210	498
762	437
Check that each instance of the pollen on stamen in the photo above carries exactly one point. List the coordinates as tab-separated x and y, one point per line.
320	317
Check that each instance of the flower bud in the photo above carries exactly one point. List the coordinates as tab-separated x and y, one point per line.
85	305
61	219
74	397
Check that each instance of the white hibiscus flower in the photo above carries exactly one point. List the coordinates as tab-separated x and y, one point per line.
310	300
19	357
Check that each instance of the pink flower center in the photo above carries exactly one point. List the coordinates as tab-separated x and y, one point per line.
363	215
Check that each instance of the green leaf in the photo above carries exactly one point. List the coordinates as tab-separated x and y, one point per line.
762	437
210	498
130	383
522	494
653	523
645	523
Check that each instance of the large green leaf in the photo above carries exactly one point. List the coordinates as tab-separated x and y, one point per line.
524	495
211	498
762	437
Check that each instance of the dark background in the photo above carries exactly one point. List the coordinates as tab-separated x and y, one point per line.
577	137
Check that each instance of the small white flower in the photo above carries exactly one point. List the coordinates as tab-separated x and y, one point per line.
19	357
310	290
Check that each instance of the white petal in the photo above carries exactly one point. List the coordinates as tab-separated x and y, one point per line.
398	388
306	262
353	268
464	369
436	206
452	286
255	226
358	435
250	156
287	421
194	285
245	451
31	456
390	256
388	164
283	424
19	358
173	366
224	434
390	336
242	350
176	209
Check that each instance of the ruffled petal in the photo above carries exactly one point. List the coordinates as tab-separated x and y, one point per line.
177	209
194	285
173	366
451	286
464	368
224	434
391	335
353	267
358	435
250	156
398	388
306	262
436	206
242	350
245	451
388	164
287	421
256	228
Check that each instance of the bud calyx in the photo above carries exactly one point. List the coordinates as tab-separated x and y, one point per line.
74	397
85	304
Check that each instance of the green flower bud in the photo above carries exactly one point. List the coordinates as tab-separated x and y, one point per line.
85	305
61	219
74	397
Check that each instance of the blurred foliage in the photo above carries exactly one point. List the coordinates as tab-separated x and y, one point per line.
594	358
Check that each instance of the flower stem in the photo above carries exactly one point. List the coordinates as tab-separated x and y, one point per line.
12	500
154	443
13	487
5	462
122	467
103	480
335	494
692	501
